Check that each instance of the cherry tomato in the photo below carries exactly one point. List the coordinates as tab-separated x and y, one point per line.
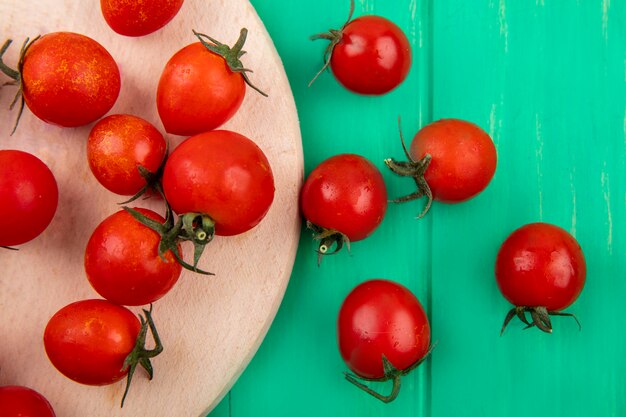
67	79
368	55
96	342
221	174
138	18
540	268
123	264
17	401
28	196
381	318
118	145
451	161
344	199
202	86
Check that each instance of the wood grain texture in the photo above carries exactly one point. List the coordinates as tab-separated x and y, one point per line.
547	80
212	326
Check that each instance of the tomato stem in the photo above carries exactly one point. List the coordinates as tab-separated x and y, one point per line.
334	36
540	318
231	55
327	238
140	355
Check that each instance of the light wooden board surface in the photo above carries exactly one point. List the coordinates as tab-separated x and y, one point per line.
211	327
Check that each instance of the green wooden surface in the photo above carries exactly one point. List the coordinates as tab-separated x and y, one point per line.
547	80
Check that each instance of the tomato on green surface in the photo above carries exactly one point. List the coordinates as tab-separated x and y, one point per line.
540	269
65	78
451	161
202	86
18	401
123	263
369	55
383	333
223	175
96	342
28	194
344	199
120	147
138	18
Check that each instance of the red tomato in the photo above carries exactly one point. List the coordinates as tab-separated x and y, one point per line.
451	161
202	86
123	264
345	194
68	79
16	401
221	174
382	318
118	145
368	55
138	18
28	196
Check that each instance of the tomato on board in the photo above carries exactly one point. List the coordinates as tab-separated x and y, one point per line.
382	319
451	161
18	401
541	269
223	175
138	18
96	342
67	79
202	86
28	197
344	199
118	145
123	263
369	55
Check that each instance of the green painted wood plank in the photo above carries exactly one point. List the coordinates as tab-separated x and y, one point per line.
298	367
547	80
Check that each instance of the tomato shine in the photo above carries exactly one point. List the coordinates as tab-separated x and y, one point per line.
377	318
222	174
541	265
373	56
69	79
463	158
122	260
87	341
346	193
17	401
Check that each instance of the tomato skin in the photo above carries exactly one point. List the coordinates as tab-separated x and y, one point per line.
222	174
463	159
29	197
381	317
18	401
122	260
88	340
69	79
118	144
346	193
138	18
373	56
541	264
197	91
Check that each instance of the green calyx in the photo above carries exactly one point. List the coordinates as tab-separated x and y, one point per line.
540	318
329	240
16	75
140	355
390	373
232	55
198	228
415	170
334	36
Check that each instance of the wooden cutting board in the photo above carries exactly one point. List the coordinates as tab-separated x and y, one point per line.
210	326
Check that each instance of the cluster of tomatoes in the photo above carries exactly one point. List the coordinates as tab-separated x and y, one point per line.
215	182
383	331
